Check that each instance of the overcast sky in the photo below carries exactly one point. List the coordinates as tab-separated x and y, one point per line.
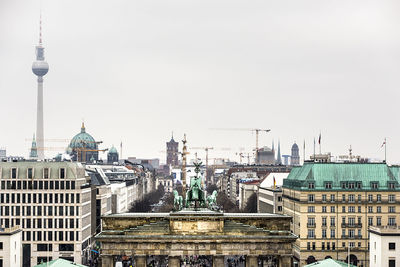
136	70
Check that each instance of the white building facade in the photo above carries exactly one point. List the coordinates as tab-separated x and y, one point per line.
10	246
384	243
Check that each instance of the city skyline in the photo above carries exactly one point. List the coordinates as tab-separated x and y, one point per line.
130	81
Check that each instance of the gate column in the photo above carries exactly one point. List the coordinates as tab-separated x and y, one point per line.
106	261
174	261
218	260
251	261
140	261
285	261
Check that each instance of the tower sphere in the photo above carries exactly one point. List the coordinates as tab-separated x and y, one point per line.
40	67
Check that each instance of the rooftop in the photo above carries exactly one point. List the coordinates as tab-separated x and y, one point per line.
59	263
364	174
385	230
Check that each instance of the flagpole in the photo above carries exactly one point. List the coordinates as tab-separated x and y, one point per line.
319	141
314	149
304	151
385	150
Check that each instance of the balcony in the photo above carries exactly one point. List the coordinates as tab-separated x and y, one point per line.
311	225
351	225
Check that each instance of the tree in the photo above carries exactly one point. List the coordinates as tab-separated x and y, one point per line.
225	203
144	205
251	205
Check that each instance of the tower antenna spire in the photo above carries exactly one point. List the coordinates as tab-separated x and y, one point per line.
40	27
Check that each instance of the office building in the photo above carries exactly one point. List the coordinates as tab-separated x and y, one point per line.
51	201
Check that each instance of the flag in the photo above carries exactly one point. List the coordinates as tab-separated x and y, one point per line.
319	139
384	143
274	183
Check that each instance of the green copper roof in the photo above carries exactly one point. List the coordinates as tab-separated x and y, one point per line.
338	173
329	263
112	150
83	139
59	263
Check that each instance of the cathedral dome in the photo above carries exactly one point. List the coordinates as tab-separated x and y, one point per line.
83	139
112	150
295	147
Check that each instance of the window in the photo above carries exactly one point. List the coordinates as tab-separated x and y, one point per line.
392	185
359	198
374	185
333	246
343	198
44	247
323	233
14	173
323	221
378	221
313	245
392	221
333	234
359	209
328	246
392	198
332	209
66	247
351	185
324	198
378	197
392	209
310	222
328	185
352	221
1	245
359	185
311	233
311	209
392	246
332	198
343	209
311	185
370	209
30	173
62	173
308	246
46	173
351	198
352	209
370	221
392	263
323	209
310	198
323	245
370	198
344	185
378	209
333	221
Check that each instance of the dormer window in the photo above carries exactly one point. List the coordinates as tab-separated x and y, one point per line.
30	173
46	173
392	185
311	186
328	185
62	173
374	185
14	173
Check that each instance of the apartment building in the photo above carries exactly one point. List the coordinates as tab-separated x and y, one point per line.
51	201
333	204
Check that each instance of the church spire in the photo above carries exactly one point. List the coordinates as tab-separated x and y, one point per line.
33	154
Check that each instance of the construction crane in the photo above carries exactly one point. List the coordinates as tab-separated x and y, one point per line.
256	130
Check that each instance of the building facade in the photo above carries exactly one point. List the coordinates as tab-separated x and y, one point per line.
295	156
10	246
384	246
333	204
51	201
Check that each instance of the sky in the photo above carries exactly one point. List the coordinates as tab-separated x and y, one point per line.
134	71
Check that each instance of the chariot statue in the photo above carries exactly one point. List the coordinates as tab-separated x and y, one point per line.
195	195
178	201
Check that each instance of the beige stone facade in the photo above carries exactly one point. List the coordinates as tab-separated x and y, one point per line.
206	233
338	220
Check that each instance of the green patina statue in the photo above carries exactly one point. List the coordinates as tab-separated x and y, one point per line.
195	195
178	201
212	200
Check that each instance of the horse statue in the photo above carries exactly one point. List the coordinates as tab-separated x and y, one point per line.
178	201
195	193
212	200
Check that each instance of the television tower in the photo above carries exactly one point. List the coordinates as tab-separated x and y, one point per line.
40	68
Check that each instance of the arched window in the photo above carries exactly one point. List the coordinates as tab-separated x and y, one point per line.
310	259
